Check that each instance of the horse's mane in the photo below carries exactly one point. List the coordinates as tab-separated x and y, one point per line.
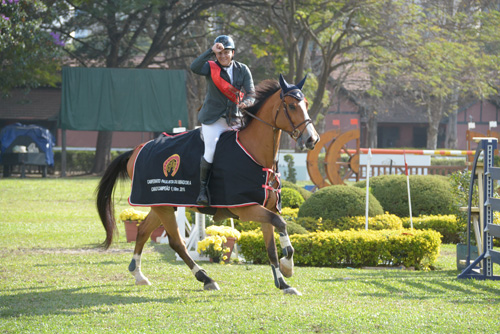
263	91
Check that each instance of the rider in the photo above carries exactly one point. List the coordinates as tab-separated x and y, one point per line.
229	87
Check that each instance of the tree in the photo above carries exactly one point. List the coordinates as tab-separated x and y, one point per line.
27	51
129	33
136	33
323	39
291	175
442	57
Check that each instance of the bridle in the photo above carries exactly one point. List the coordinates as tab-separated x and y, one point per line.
295	133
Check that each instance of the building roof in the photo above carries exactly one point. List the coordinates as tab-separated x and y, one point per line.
37	104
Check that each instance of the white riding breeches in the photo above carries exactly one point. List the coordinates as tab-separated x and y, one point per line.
211	134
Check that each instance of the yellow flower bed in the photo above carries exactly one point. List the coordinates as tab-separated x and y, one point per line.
225	231
133	214
213	246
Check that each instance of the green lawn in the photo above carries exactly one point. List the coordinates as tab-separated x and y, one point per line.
53	279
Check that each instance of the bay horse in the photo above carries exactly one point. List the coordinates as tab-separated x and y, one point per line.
279	107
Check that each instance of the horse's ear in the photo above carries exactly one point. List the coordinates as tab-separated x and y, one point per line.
301	83
284	85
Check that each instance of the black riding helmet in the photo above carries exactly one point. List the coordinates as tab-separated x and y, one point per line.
226	41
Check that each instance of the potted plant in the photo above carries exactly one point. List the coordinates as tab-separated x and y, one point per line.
219	243
132	219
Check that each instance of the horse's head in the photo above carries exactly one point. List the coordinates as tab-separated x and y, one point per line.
294	119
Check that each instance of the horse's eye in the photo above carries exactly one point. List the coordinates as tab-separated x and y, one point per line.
292	106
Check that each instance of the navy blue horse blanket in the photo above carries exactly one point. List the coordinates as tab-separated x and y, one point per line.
167	172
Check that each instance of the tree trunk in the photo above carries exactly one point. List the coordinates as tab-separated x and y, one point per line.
102	152
196	86
451	131
451	140
320	91
434	114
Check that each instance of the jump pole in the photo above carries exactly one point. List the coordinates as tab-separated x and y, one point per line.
368	170
408	186
450	153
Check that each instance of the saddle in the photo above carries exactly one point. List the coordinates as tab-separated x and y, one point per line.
166	172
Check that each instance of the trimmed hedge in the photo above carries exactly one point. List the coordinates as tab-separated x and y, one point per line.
338	201
448	225
291	198
303	192
379	222
292	227
417	248
430	194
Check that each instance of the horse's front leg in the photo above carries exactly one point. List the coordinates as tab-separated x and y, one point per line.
286	262
271	220
272	252
176	242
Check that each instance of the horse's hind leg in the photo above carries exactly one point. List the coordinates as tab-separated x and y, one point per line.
151	223
167	216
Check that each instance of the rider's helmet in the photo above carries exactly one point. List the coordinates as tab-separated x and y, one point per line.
226	40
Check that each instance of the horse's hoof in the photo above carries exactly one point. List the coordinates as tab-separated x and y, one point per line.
286	267
143	282
211	286
291	291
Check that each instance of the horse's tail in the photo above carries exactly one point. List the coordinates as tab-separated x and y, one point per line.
116	170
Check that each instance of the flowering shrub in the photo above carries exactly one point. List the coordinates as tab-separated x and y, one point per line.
448	225
289	213
223	231
213	247
386	221
411	248
132	214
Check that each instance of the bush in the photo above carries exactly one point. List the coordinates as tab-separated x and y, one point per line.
430	194
338	201
379	222
246	226
303	192
448	225
287	214
294	228
416	248
290	198
460	186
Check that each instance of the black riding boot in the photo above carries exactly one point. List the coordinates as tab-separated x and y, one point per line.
205	169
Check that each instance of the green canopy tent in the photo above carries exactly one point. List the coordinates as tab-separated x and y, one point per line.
116	99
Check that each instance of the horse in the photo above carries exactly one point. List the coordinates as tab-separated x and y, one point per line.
278	107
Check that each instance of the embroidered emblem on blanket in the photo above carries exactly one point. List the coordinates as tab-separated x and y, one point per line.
167	172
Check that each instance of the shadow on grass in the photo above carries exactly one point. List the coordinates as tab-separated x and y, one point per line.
70	301
422	286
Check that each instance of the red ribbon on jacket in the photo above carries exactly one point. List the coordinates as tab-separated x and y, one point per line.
225	87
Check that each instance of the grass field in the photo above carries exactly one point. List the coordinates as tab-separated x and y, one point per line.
53	279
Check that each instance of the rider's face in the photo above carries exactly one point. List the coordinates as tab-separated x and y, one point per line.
225	56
